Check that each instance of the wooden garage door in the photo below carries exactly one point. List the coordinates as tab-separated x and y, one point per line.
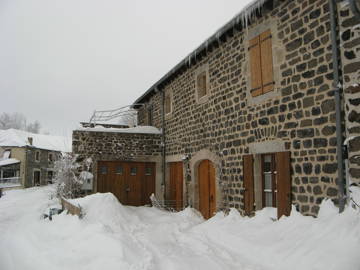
176	185
207	195
131	182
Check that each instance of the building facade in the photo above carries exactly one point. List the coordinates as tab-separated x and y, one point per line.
249	119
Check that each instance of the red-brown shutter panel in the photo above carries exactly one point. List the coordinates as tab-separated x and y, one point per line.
255	67
248	184
266	62
283	183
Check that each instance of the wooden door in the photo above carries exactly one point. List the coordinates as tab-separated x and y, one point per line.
148	183
131	182
134	173
248	189
207	195
176	185
283	183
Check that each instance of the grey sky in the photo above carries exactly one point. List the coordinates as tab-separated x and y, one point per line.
61	59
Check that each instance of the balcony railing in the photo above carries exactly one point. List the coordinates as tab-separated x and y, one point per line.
10	182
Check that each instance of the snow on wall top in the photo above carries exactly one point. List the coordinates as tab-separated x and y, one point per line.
138	129
20	138
8	161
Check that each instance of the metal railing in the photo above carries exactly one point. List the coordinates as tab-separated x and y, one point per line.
168	205
124	115
10	182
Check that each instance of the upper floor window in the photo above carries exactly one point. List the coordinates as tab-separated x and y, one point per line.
37	156
261	64
201	84
6	154
168	104
149	116
51	157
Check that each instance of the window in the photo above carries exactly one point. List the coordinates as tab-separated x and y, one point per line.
7	154
103	170
36	178
133	171
261	64
50	175
201	84
167	105
148	171
37	156
51	157
269	180
119	170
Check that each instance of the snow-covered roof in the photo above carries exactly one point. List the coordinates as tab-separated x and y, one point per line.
246	15
20	138
138	129
8	161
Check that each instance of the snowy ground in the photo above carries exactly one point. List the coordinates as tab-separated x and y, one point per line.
112	236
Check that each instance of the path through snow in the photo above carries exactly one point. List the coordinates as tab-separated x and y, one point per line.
113	236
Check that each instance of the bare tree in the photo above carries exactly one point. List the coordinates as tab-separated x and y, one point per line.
18	121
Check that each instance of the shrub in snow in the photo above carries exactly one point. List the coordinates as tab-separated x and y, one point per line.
68	185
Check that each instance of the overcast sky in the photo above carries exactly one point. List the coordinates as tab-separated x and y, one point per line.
62	59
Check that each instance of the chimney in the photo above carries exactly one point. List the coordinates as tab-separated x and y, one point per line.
30	139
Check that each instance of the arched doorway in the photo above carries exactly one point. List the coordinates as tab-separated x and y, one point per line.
207	192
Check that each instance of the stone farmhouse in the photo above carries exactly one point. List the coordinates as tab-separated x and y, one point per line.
265	113
27	159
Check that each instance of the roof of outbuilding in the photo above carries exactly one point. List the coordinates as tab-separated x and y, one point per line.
240	20
19	138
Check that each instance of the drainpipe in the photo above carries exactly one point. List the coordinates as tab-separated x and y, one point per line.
337	85
163	144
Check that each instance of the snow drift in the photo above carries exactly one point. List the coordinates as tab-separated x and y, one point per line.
113	236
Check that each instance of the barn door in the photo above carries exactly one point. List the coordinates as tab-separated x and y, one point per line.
176	185
207	196
283	183
248	189
134	175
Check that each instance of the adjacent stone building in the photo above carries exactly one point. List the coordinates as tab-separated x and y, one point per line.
27	159
248	119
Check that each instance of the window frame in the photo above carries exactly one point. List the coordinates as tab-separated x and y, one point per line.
37	156
168	93
202	70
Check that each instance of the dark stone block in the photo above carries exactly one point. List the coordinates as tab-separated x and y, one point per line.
315	14
354	144
306	123
293	45
298	114
332	192
296	25
317	169
290	125
349	55
322	69
355	101
317	190
302	198
296	144
354	116
329	168
328	130
315	111
320	142
307	143
355	160
308	102
307	168
305	133
352	67
315	44
345	36
308	74
264	121
328	106
325	179
308	37
355	173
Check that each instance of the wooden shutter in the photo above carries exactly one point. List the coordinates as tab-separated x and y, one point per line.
248	193
283	183
266	62
255	67
201	84
167	103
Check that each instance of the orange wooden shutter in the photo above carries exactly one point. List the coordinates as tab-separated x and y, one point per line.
283	183
266	62
255	67
248	184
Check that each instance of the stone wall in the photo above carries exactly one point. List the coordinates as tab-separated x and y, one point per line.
109	146
299	113
350	53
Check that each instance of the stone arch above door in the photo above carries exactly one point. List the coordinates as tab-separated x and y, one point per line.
204	154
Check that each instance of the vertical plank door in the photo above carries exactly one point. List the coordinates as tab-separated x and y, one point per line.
248	191
283	183
176	185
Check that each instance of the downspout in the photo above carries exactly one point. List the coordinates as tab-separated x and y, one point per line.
163	144
337	86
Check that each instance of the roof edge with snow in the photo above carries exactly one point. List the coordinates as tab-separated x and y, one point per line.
239	21
134	130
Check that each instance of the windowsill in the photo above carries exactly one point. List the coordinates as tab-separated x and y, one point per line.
203	99
262	98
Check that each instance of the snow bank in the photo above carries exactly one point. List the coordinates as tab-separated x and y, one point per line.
138	129
20	138
113	236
